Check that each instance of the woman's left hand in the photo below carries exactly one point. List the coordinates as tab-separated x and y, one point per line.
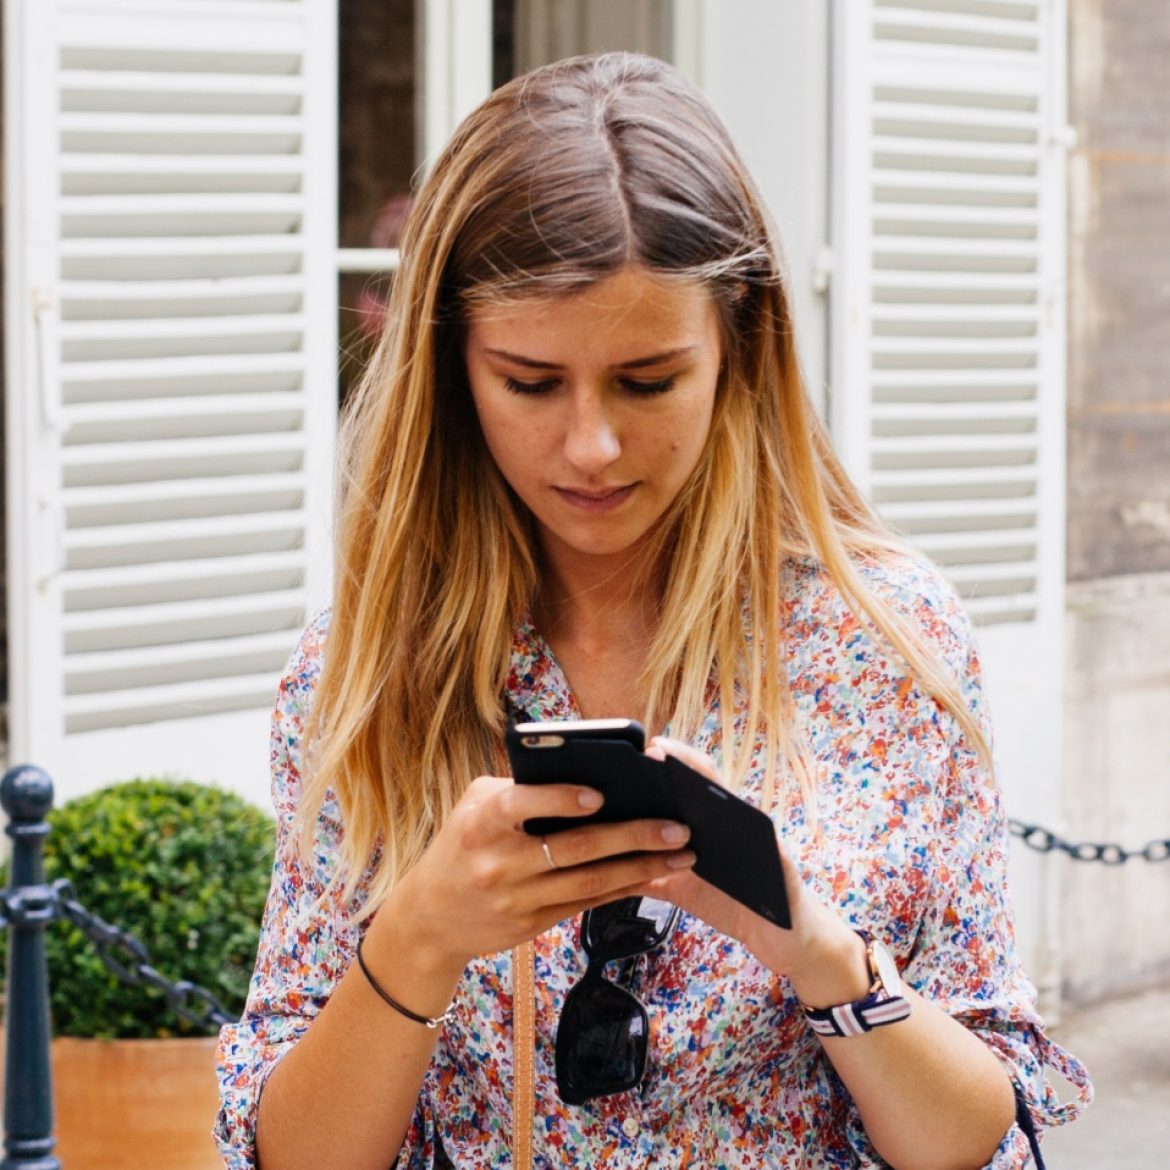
821	954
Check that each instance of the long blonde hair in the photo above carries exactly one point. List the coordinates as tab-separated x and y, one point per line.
557	181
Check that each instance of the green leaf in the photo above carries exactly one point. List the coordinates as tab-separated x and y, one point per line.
169	861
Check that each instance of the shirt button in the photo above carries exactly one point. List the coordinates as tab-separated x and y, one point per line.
631	1127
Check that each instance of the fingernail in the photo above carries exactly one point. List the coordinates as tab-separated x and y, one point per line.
680	860
675	834
589	798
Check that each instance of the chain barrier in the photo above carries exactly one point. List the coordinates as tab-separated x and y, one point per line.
128	958
118	950
1045	841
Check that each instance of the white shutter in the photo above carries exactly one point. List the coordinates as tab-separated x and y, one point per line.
948	336
171	380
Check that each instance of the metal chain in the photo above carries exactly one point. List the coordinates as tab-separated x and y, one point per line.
129	960
118	950
1045	841
27	905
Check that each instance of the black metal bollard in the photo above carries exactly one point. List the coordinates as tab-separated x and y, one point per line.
26	794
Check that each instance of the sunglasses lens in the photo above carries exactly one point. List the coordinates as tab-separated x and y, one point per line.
627	927
601	1042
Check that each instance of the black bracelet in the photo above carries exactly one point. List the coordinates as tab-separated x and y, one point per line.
436	1022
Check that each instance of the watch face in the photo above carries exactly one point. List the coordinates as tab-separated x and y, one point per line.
885	967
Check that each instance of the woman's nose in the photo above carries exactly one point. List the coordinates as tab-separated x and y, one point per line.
591	438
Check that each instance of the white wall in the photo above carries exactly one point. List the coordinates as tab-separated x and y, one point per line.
765	67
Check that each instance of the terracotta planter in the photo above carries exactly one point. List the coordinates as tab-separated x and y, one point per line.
135	1104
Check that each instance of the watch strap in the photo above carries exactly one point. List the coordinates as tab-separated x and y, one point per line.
878	1008
863	1015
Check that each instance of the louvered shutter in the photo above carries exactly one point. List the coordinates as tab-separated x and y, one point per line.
171	375
948	335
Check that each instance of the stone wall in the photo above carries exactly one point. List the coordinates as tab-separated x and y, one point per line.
1119	289
1116	922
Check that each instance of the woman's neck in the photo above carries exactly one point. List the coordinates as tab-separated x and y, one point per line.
592	600
599	620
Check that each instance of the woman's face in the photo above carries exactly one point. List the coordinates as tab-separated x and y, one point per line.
596	406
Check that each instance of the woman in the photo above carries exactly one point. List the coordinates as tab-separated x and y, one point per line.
583	479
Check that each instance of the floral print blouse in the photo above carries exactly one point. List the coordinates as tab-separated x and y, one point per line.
909	842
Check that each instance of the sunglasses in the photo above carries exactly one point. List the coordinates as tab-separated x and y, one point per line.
604	1031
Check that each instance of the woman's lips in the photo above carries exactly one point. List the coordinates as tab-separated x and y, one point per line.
591	501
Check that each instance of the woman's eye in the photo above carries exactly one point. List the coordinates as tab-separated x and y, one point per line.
541	387
658	386
631	385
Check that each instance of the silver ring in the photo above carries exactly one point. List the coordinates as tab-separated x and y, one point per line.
548	854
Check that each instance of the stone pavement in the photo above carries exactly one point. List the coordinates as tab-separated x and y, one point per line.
1126	1046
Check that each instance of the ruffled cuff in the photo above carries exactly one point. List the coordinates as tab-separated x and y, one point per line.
1037	1106
1027	1058
244	1068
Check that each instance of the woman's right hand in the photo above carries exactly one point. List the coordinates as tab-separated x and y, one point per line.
484	884
481	886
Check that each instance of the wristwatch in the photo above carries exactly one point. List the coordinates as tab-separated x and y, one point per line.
884	1004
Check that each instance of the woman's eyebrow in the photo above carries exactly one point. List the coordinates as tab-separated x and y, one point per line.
654	359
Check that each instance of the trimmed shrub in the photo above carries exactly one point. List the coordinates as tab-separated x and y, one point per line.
185	869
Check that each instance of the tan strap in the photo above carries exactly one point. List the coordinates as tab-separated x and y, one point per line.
523	1053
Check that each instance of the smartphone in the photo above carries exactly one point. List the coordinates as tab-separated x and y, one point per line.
734	842
605	754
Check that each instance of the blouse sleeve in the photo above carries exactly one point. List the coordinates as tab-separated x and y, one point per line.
307	938
965	958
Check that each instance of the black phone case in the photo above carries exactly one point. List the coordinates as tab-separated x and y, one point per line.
734	842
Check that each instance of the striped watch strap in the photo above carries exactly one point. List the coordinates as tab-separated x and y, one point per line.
863	1015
